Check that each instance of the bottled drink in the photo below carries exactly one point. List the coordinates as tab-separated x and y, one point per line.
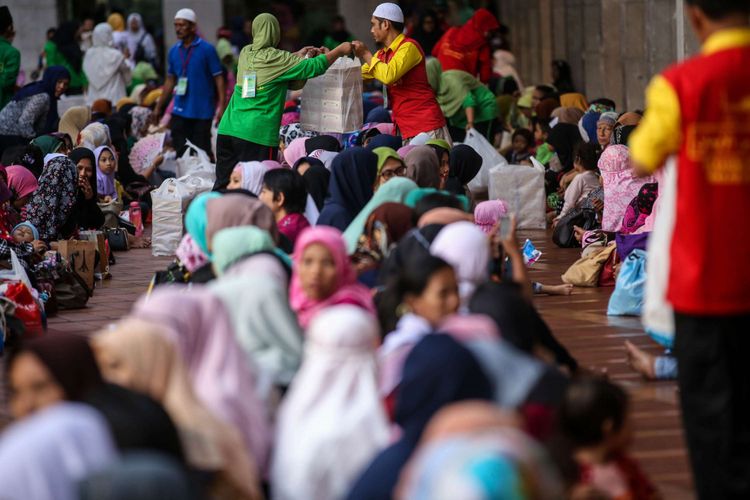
136	217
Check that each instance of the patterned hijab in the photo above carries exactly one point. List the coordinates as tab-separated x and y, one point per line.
53	201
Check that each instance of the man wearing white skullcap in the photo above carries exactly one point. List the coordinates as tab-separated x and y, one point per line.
400	66
194	74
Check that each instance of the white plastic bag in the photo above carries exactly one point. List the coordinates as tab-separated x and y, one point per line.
169	203
490	158
522	188
194	161
332	102
16	272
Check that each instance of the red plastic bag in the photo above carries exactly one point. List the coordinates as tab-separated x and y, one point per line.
27	309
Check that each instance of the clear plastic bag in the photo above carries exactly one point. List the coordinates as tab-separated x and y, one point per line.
490	158
522	188
195	162
333	102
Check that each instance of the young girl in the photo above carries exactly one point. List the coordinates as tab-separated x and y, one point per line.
285	194
106	166
594	418
586	179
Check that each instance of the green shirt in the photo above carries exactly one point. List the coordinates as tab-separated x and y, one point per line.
544	154
55	58
10	64
484	104
257	119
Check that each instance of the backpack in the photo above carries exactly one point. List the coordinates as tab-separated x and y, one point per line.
564	235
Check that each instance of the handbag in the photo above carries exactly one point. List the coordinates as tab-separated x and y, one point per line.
117	239
72	292
564	235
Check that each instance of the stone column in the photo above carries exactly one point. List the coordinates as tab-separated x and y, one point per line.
209	13
358	14
32	19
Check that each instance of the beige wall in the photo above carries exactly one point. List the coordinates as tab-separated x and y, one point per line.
614	47
32	18
210	17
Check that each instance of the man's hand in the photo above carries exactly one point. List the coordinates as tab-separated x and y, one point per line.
360	49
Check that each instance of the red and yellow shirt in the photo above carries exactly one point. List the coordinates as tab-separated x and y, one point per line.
699	110
401	68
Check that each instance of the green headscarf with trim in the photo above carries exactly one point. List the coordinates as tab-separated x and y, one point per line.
262	56
48	144
451	87
233	243
441	143
383	154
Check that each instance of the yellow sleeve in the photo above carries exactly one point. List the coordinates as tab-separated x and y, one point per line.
406	57
659	133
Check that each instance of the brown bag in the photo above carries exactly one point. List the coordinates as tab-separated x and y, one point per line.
81	255
586	270
101	247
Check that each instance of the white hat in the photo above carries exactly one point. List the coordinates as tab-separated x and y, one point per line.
389	11
186	14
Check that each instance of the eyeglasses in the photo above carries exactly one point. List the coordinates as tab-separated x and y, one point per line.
390	174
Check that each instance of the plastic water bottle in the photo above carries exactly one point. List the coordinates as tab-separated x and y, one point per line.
136	217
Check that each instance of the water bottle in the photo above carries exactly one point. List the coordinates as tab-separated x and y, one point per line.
135	217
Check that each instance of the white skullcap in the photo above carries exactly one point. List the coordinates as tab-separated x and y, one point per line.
186	14
389	11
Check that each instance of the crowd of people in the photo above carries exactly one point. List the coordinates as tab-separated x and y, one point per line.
345	317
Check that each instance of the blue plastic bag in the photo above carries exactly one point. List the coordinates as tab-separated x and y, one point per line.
627	299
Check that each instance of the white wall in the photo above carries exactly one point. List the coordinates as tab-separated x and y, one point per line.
32	19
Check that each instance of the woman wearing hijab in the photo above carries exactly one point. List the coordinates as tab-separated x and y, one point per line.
385	141
563	139
570	115
333	404
140	356
107	69
317	178
428	31
22	184
45	456
106	166
74	120
352	179
574	100
438	371
467	48
465	165
385	227
52	203
325	142
258	303
28	156
423	167
137	38
465	102
249	128
248	175
620	185
86	213
117	22
33	110
587	126
393	191
63	50
94	135
562	77
62	367
323	275
198	324
232	210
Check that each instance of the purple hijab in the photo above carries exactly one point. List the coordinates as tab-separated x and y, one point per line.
105	184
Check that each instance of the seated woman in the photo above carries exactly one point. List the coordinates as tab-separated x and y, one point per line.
33	110
323	275
52	203
465	164
423	167
352	178
285	194
443	151
86	213
390	165
248	175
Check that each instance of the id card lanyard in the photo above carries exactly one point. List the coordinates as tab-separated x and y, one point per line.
182	82
249	80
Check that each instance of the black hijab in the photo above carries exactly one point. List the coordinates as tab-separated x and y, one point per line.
325	142
317	178
564	137
118	128
353	174
385	141
28	156
65	39
86	214
465	165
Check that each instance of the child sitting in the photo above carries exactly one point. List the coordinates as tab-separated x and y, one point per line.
285	194
594	418
586	179
522	146
106	166
543	151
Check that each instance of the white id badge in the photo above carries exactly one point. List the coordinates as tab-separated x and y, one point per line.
249	81
182	84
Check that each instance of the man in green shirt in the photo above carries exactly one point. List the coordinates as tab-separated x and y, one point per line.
10	57
249	129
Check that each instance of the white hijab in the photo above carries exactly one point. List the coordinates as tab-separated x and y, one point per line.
45	455
102	62
140	37
252	175
332	422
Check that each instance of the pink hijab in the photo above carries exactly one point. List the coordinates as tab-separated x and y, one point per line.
21	181
348	291
620	186
201	329
295	150
487	213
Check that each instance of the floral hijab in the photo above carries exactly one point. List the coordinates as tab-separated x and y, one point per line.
53	201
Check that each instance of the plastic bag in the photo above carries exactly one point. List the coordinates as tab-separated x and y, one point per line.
17	271
627	299
332	102
490	158
197	164
169	203
27	309
522	188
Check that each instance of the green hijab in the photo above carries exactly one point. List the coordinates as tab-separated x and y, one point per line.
416	196
394	191
441	143
451	87
233	243
262	56
383	155
47	143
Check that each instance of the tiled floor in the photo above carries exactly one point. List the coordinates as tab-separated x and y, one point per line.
579	321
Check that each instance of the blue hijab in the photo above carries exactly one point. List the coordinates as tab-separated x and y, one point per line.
385	141
353	174
46	86
378	115
438	371
588	125
196	219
